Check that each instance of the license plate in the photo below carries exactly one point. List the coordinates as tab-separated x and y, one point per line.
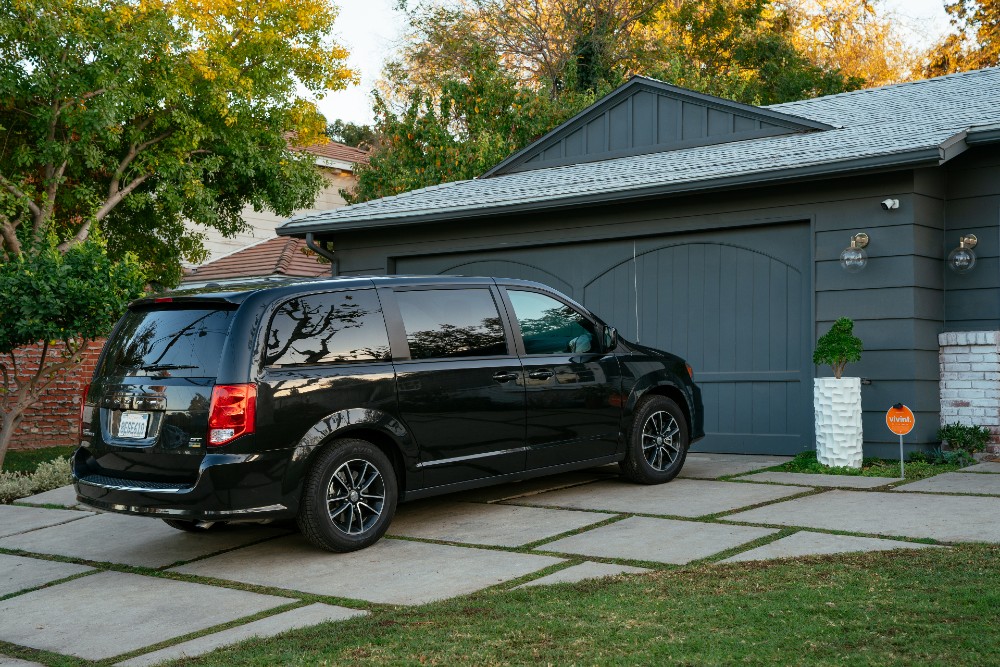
133	425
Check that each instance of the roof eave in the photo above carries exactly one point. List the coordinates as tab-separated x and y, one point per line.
934	156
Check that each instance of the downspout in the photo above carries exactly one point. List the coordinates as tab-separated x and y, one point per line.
323	252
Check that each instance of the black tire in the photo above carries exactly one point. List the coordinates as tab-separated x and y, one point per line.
195	526
658	442
349	496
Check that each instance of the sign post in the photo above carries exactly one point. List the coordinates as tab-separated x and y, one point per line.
900	421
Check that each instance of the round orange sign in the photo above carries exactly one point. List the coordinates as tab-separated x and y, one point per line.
900	419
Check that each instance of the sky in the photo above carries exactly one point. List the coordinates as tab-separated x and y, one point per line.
371	29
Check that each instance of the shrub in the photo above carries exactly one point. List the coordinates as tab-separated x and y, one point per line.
958	457
965	438
49	475
838	347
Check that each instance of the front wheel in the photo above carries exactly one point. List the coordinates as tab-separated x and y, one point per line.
349	496
658	442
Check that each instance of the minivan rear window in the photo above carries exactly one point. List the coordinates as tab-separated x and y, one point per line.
168	343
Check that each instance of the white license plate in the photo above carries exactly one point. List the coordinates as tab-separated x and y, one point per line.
133	425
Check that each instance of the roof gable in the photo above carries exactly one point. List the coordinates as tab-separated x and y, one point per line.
279	256
648	116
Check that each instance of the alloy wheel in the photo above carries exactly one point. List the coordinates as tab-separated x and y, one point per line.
355	497
660	440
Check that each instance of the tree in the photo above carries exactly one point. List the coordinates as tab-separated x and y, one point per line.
64	301
861	39
137	116
975	44
352	134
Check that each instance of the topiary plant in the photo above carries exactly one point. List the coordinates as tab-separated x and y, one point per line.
838	347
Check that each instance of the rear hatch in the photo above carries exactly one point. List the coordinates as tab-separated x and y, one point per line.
146	413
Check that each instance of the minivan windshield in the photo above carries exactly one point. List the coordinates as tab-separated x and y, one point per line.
168	343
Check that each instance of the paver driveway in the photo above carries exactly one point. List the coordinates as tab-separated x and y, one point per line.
60	568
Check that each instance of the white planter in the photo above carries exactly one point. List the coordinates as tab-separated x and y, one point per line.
837	404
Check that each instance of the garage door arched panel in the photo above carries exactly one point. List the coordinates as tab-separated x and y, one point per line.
738	317
499	268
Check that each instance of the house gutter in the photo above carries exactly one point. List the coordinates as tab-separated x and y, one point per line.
927	157
323	252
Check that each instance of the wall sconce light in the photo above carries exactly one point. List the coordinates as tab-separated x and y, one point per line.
854	258
962	259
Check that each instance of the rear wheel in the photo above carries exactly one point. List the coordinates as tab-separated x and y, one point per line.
349	497
658	442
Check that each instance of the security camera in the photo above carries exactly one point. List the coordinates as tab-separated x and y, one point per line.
889	204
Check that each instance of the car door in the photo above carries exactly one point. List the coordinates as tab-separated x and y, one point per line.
572	385
459	392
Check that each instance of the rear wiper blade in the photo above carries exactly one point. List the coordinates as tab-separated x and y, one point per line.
165	367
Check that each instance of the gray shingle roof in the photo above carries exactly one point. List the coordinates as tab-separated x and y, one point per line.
923	122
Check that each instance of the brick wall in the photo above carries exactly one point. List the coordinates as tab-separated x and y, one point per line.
53	420
970	380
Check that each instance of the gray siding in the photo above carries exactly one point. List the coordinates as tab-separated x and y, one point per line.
973	206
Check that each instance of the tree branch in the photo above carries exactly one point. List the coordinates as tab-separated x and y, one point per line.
8	232
17	192
50	198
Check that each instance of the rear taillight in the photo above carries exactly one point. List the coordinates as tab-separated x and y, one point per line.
233	412
83	406
690	371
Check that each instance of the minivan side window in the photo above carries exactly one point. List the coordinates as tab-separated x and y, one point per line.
549	326
443	323
328	328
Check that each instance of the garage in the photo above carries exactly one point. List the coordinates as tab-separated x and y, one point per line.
733	303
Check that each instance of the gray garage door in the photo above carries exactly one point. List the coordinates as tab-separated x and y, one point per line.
734	304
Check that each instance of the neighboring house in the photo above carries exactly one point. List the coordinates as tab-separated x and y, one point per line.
277	257
714	229
336	161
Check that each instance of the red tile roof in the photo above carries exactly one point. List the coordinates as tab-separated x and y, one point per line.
280	256
337	151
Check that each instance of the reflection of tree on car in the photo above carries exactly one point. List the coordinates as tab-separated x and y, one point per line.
559	329
449	340
303	331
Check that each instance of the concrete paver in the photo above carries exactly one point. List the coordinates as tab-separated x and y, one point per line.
805	543
657	540
530	487
390	571
988	466
584	571
808	479
302	617
945	518
681	497
478	523
7	661
64	496
713	466
15	519
132	540
110	613
955	482
18	573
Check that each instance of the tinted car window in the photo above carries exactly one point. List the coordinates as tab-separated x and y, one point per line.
168	343
549	326
451	323
329	328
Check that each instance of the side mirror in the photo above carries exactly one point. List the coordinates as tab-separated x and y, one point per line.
610	338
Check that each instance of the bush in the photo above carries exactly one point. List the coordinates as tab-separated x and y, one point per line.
838	347
968	439
49	475
957	457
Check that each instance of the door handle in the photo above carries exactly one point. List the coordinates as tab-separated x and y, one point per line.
501	376
541	375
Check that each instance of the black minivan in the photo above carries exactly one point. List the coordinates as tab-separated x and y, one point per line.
329	401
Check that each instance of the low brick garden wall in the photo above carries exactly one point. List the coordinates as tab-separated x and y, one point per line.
53	421
970	380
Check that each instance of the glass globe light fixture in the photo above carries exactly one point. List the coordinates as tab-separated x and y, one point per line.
854	258
962	259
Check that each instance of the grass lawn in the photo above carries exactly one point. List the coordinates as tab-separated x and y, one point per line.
27	460
870	467
934	606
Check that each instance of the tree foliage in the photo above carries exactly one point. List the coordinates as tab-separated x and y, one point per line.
352	134
974	44
838	347
480	79
860	38
62	301
137	115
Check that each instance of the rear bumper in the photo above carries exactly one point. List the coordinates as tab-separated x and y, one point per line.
229	487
